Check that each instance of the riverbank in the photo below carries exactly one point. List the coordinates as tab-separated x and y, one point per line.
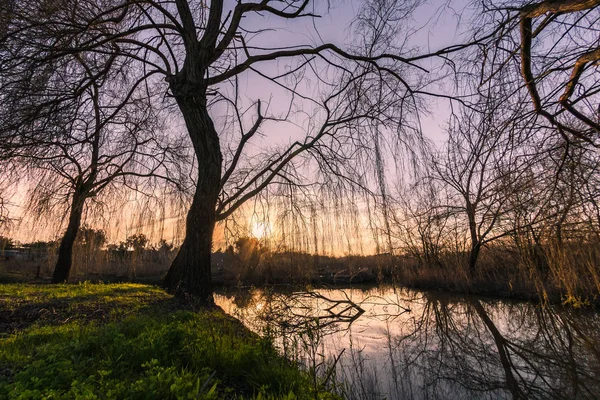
573	282
132	341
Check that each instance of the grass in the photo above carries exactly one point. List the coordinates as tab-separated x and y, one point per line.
130	341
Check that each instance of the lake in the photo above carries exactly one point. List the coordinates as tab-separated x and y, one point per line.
397	343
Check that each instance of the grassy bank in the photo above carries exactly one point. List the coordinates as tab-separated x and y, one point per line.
567	274
98	341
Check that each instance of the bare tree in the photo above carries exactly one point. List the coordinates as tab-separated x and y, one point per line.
481	160
197	53
77	133
6	11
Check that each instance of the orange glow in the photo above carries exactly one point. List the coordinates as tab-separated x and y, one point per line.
260	230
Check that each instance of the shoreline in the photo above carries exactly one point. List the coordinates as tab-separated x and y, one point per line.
134	341
426	279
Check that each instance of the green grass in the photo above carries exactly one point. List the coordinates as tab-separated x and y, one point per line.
127	341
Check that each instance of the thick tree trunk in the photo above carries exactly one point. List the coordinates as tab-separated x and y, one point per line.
65	251
190	272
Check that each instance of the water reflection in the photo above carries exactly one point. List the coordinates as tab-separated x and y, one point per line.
403	344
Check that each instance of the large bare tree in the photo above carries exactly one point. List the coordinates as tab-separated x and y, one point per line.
235	72
198	53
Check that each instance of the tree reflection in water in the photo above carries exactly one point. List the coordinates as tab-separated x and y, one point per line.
404	344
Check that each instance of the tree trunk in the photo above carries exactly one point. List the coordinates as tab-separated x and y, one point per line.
473	256
190	272
65	251
475	242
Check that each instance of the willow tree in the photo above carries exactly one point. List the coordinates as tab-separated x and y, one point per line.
73	133
550	50
203	54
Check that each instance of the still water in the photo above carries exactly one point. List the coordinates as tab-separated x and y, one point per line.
396	343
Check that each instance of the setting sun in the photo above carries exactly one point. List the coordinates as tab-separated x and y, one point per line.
260	229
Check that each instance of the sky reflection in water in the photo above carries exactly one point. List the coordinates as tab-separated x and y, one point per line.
404	344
